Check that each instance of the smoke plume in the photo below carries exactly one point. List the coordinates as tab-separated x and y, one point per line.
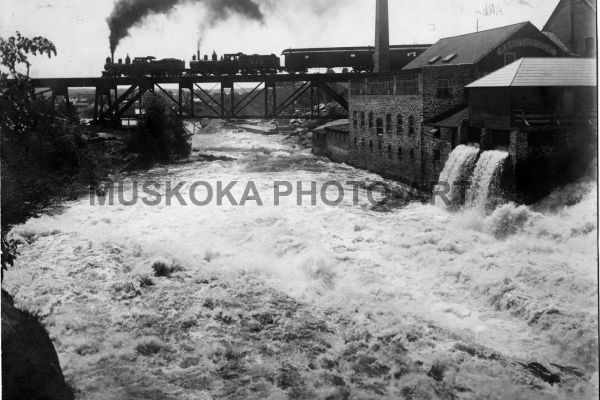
129	13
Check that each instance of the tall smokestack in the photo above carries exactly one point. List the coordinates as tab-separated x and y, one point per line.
382	37
112	56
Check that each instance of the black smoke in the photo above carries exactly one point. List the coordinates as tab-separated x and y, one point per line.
129	13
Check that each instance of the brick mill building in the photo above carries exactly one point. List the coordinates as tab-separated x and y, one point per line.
404	124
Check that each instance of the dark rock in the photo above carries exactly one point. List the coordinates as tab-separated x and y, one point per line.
541	372
212	158
478	351
30	366
437	372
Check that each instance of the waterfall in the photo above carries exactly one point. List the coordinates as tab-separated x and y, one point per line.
486	177
456	172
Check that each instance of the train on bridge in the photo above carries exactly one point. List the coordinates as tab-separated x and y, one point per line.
349	59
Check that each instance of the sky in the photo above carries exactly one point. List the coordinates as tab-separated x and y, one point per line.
79	30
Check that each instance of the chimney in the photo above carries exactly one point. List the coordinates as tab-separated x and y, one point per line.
382	37
112	56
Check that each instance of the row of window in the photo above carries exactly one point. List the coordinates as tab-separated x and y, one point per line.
401	85
388	127
436	153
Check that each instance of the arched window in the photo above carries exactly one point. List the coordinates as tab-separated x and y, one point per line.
388	123
379	126
362	119
371	120
399	123
355	119
411	125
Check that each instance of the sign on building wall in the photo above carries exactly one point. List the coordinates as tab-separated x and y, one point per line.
516	43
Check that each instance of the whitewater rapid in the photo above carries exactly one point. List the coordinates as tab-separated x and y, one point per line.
518	281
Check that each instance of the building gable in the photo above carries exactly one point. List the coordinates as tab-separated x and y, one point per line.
573	22
474	47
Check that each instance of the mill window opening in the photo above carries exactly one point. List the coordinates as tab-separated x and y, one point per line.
379	146
388	123
412	154
371	145
411	125
371	120
379	126
362	142
509	58
399	122
355	119
362	119
355	142
399	152
389	151
436	155
443	89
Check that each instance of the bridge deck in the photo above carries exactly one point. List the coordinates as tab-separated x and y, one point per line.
189	80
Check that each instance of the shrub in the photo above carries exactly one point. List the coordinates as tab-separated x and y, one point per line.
160	135
164	269
146	281
9	253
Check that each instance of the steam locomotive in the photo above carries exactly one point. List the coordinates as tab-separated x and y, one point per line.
144	66
233	64
228	64
355	59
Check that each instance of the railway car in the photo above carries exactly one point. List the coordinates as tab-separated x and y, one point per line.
301	60
358	59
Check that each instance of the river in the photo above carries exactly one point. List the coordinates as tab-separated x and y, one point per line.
313	301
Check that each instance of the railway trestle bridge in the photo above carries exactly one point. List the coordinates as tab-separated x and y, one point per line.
116	98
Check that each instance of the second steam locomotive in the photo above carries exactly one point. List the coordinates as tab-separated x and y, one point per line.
354	59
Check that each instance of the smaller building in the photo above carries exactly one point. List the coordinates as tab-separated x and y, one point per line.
331	141
544	112
573	24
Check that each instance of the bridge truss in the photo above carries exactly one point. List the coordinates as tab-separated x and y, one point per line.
230	97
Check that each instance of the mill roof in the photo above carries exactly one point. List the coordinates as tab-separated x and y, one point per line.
465	49
529	71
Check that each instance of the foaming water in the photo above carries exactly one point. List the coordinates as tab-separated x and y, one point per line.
485	178
518	281
456	173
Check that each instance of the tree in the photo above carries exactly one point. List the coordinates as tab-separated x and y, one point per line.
160	136
17	113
